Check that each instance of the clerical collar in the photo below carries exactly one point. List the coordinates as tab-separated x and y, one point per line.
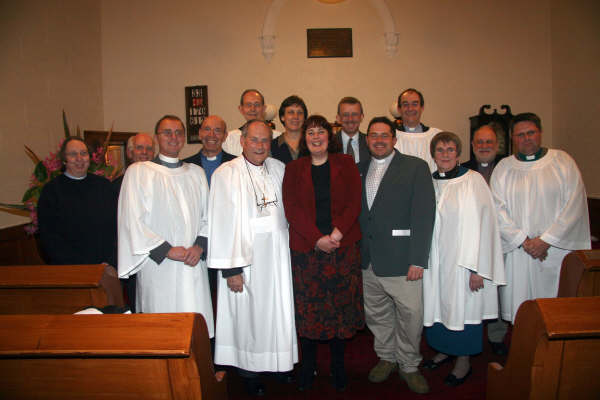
417	129
384	160
533	157
77	178
453	173
213	158
168	162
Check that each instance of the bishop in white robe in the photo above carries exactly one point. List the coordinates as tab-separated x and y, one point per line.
248	231
542	198
162	205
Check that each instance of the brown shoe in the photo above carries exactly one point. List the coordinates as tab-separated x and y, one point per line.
382	371
415	381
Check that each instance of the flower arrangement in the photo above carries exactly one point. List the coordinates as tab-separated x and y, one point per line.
50	167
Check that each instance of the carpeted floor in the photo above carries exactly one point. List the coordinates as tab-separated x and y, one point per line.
360	357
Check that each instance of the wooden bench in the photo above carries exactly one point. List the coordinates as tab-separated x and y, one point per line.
111	356
554	352
58	289
580	274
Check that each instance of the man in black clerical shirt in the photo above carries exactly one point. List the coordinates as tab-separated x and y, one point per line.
212	133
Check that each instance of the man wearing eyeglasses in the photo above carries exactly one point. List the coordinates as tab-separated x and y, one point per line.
163	228
396	221
542	212
252	106
249	244
351	140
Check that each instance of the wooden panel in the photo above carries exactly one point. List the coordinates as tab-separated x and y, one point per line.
18	248
570	317
580	274
84	379
580	372
44	335
58	289
138	356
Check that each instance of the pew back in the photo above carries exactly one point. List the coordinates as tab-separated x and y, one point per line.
580	274
554	354
58	289
138	356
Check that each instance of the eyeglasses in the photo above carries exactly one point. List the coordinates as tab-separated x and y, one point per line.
449	150
73	154
377	135
521	135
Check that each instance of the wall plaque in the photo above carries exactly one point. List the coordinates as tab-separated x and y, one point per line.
333	42
196	109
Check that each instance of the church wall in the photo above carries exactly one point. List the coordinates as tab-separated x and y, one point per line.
51	61
576	84
462	54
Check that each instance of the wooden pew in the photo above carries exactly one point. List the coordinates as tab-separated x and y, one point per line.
58	289
580	274
554	352
111	356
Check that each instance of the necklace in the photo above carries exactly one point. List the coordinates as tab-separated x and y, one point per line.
265	203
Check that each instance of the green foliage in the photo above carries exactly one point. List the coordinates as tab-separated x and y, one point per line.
40	172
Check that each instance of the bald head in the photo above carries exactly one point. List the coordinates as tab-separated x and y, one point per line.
140	147
485	144
212	133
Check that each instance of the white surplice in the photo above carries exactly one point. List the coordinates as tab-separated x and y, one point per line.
256	328
417	144
543	198
160	204
465	239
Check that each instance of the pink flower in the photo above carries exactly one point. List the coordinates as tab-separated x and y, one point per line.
97	156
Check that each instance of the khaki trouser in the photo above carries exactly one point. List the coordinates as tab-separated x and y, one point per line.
394	313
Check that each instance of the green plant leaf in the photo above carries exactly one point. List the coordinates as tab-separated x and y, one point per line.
40	172
32	194
65	125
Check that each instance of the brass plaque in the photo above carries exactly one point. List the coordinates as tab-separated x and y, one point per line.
334	42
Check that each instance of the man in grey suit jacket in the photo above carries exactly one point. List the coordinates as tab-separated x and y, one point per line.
396	220
350	139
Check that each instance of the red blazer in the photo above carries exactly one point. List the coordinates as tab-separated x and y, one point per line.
299	201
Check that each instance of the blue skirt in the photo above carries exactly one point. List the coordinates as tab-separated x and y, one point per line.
456	343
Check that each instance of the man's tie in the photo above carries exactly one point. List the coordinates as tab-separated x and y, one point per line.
350	149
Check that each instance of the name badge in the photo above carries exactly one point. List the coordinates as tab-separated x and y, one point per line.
400	232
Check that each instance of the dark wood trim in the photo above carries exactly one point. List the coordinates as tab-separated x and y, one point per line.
19	248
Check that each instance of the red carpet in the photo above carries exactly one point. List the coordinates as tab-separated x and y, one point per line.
360	358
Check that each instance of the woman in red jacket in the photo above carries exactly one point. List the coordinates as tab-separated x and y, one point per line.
322	201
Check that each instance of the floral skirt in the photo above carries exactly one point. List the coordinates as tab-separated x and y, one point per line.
328	293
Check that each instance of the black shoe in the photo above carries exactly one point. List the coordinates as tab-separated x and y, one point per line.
499	348
430	364
285	377
339	379
306	379
254	387
452	380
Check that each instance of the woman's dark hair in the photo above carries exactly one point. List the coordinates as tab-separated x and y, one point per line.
319	121
63	147
292	100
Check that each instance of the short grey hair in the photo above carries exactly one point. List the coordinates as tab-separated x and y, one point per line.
252	121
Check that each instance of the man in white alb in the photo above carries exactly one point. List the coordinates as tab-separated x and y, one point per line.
414	137
249	243
252	106
163	228
542	212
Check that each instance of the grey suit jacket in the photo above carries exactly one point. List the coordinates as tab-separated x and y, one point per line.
363	149
397	230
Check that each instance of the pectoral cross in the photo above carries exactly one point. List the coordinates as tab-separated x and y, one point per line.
264	201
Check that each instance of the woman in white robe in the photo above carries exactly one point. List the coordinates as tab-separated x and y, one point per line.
465	266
